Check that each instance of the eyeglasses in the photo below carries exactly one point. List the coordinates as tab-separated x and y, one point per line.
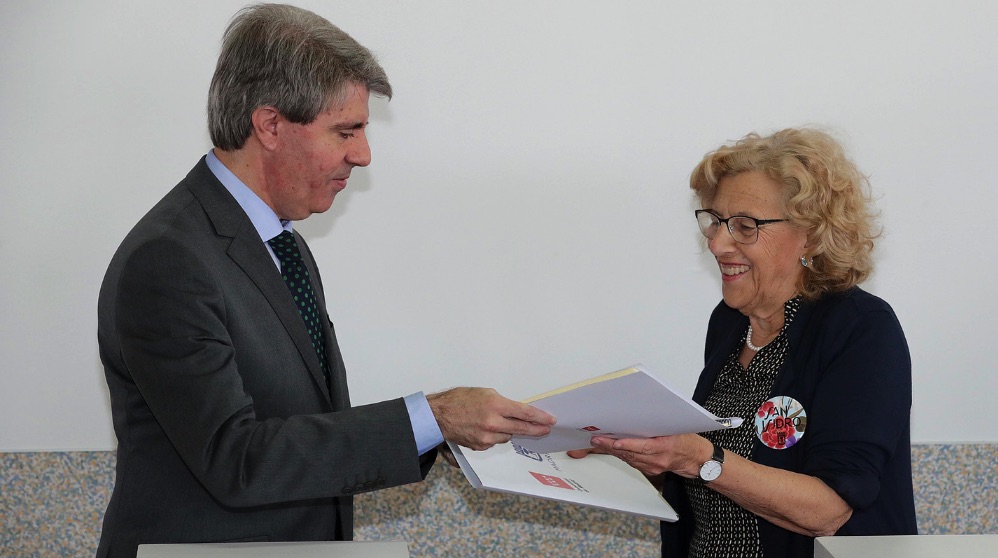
745	230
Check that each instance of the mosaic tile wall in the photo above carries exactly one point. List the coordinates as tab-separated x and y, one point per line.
51	504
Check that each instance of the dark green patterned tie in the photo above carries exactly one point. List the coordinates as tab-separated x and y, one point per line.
296	277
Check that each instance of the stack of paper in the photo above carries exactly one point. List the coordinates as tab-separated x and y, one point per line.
629	403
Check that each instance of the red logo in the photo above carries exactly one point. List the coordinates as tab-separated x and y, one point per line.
590	428
549	480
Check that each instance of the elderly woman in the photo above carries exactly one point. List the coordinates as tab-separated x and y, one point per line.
818	368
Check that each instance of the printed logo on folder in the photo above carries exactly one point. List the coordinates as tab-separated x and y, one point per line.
520	450
549	480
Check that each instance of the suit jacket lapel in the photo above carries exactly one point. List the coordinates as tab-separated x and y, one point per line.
248	252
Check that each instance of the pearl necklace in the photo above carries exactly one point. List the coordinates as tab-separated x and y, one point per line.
748	341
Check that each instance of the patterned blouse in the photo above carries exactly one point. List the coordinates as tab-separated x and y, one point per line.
722	527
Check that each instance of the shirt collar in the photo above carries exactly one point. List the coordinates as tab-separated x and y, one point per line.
264	220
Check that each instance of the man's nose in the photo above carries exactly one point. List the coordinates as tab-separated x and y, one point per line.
359	152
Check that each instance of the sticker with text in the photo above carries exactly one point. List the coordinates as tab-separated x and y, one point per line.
780	422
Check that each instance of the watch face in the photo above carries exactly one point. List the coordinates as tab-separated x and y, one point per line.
710	470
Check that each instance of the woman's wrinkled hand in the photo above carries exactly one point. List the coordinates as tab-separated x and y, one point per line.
681	454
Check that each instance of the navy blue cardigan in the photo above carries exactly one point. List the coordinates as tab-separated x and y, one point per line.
850	369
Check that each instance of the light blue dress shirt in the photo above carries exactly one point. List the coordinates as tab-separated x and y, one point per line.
268	225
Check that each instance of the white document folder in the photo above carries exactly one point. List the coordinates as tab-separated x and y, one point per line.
628	403
601	481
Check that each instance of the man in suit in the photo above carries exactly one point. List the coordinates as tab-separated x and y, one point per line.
228	393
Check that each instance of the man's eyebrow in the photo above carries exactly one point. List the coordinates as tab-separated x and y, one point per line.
350	126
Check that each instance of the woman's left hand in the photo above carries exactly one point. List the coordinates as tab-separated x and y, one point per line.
682	454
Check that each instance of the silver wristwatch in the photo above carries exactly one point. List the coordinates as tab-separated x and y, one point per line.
711	469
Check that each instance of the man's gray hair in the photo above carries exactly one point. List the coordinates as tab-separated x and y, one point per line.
285	57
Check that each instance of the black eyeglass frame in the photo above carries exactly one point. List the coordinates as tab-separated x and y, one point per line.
727	224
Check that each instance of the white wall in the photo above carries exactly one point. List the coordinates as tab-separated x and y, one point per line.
526	221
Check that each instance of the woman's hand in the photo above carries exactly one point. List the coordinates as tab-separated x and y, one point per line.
580	453
681	454
794	501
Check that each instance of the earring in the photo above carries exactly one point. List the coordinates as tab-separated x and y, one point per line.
803	261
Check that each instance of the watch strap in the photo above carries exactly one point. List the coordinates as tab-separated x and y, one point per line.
718	453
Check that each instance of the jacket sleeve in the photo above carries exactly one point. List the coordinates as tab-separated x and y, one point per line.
862	399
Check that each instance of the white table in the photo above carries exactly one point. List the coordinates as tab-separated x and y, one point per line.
907	546
277	549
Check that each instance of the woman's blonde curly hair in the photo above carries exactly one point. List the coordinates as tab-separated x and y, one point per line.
824	194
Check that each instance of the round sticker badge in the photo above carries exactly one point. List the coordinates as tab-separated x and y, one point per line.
780	422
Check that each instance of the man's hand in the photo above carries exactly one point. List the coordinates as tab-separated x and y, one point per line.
479	418
444	451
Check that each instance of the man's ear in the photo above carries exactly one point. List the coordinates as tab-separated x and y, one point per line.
265	121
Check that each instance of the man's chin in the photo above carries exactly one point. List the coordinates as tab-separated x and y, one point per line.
324	206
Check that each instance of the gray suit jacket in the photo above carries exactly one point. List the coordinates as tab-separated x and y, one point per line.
226	430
